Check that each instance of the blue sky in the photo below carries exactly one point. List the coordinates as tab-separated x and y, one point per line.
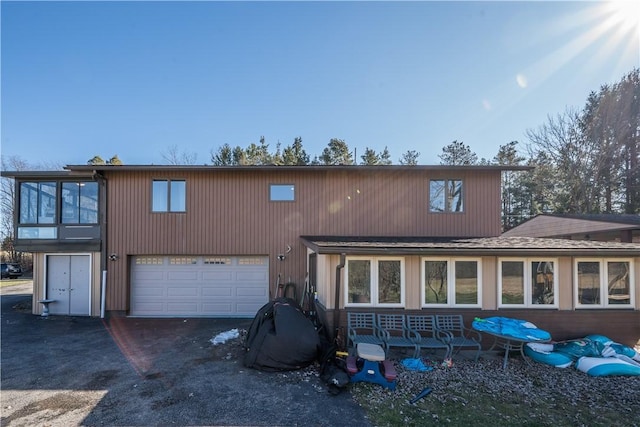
134	78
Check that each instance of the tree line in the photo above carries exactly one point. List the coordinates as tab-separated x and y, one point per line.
586	161
337	152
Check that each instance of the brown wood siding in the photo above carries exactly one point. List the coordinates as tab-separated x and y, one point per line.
229	213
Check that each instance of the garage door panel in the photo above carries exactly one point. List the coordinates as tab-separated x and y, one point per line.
154	291
251	276
202	287
183	291
182	275
222	291
151	307
221	308
250	292
148	275
213	276
183	307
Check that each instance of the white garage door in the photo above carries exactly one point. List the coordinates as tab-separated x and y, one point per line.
191	286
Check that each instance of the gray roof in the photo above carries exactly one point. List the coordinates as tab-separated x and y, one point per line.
368	168
617	218
501	246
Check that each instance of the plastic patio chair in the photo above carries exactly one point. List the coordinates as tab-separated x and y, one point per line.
362	328
397	334
461	336
431	337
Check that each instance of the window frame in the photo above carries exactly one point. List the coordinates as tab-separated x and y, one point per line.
451	282
53	203
528	282
283	189
78	205
168	197
374	285
447	196
603	264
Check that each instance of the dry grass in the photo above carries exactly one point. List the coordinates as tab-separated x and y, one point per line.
483	394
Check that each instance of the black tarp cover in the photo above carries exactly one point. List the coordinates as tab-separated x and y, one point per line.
281	338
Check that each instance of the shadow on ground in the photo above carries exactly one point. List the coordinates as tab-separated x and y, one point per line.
130	371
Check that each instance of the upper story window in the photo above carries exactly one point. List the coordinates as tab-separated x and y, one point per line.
282	192
604	283
169	195
445	195
79	203
451	282
528	283
375	281
38	203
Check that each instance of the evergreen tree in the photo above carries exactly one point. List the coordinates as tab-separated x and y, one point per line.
277	157
115	161
385	157
96	160
223	156
258	154
370	158
410	158
295	154
457	154
336	153
239	156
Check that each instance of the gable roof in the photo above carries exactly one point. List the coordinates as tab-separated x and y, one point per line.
501	246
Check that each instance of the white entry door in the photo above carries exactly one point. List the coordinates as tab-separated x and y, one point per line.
69	284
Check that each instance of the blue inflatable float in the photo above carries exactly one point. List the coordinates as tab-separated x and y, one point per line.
595	355
543	353
511	328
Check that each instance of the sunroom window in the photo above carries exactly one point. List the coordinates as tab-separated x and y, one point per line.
528	283
375	281
38	203
79	203
604	283
451	282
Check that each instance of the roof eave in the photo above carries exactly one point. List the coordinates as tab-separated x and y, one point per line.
337	250
123	168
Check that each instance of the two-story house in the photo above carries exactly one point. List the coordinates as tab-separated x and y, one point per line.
185	241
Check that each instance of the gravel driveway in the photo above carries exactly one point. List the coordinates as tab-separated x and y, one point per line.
63	371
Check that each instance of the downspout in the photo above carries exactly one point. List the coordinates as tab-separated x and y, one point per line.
102	203
103	290
336	307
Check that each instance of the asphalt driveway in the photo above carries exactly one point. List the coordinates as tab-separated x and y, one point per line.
62	371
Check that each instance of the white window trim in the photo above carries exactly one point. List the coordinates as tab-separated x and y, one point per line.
374	282
604	279
451	282
527	283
